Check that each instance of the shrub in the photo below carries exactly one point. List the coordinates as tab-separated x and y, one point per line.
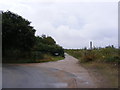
112	59
88	56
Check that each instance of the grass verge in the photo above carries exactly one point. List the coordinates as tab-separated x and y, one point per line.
45	58
101	64
49	58
104	74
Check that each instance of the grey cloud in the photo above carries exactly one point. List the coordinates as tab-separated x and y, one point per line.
72	25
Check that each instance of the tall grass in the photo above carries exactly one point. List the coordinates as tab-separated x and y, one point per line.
99	55
102	64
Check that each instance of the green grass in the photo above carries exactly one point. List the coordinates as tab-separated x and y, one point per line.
101	63
49	58
36	59
98	55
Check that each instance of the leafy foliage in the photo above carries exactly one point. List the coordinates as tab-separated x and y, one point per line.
17	32
20	42
48	45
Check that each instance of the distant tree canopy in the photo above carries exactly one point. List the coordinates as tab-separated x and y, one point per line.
17	34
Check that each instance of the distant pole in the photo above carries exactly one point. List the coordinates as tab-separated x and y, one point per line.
91	45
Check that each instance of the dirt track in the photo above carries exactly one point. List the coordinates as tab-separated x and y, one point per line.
65	73
72	66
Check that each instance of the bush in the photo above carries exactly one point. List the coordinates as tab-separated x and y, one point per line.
37	55
112	59
88	56
108	54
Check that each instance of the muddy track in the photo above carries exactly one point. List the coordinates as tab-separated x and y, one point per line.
65	73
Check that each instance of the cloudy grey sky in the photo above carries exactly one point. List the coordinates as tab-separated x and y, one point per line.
72	23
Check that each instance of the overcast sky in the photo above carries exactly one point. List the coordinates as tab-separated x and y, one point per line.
72	23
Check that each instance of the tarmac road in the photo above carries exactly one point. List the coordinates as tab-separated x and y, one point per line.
18	76
65	73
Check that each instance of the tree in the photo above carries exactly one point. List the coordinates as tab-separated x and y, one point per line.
19	40
47	44
16	32
48	40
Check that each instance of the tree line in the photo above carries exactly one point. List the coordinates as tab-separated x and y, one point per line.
19	40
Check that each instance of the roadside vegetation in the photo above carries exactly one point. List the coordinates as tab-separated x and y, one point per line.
20	45
101	63
108	54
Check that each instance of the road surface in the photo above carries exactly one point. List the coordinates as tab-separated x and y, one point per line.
65	73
